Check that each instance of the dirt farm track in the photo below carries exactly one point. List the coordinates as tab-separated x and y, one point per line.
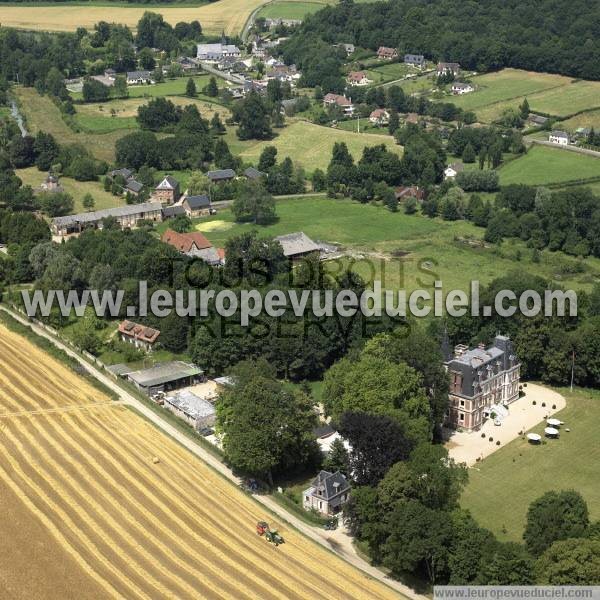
85	512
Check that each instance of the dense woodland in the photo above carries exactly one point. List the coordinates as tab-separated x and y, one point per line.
545	35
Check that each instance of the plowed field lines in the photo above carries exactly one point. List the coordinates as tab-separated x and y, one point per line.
81	468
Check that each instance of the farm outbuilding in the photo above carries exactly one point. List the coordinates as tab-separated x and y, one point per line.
167	376
193	409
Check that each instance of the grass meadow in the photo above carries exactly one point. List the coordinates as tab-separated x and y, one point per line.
552	94
543	166
308	145
289	9
404	251
121	114
503	485
77	189
42	114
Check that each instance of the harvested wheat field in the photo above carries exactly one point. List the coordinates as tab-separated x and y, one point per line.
226	15
88	514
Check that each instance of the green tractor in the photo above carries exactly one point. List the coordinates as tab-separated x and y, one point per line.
262	528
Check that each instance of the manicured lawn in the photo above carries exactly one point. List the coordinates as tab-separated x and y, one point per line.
170	87
286	9
121	114
42	114
77	189
308	145
503	485
403	251
544	165
388	72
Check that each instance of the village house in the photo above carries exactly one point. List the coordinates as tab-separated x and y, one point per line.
537	120
380	116
296	245
445	68
452	170
133	187
126	217
327	494
403	193
483	382
172	211
559	137
139	77
460	88
272	23
120	173
253	174
187	63
186	243
415	60
336	100
108	81
215	52
348	48
283	73
386	53
358	78
51	184
140	336
167	191
195	245
196	205
221	175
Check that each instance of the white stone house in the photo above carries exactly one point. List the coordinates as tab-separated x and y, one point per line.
559	137
327	494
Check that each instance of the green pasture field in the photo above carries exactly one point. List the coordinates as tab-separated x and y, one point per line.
550	94
403	251
286	9
42	114
502	486
78	189
113	115
307	144
543	165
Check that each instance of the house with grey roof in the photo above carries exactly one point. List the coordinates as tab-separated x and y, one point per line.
414	60
296	245
126	216
165	376
221	175
133	187
216	52
327	493
169	212
559	137
139	77
480	379
196	205
252	173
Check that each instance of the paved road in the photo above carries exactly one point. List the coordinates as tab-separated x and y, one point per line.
338	541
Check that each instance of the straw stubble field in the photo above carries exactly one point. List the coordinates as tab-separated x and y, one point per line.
91	516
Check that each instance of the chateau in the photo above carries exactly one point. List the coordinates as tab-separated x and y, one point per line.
480	379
